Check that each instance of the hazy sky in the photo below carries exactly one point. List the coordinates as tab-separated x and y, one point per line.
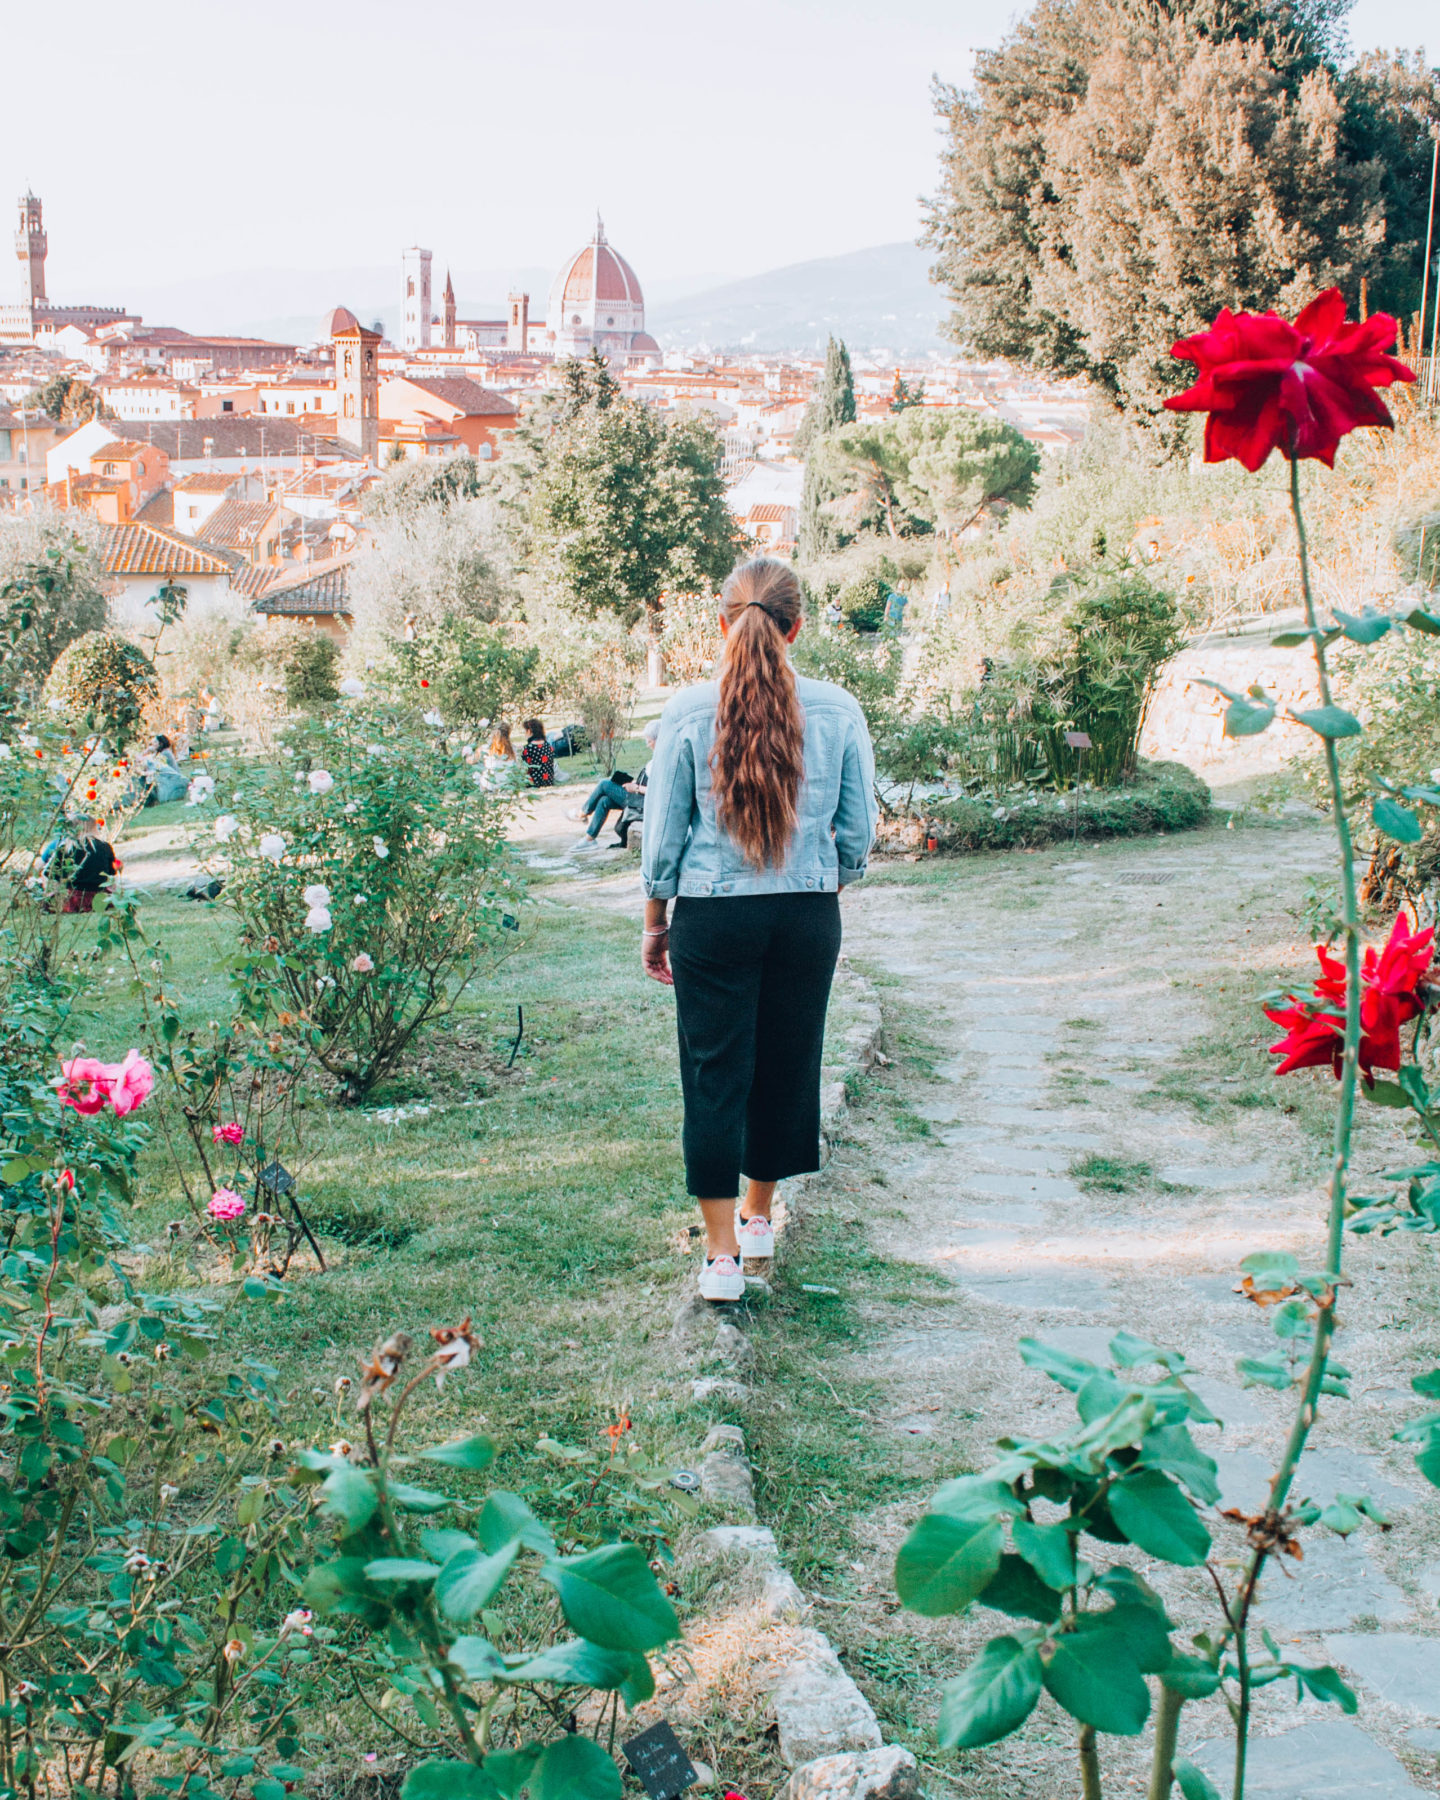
178	140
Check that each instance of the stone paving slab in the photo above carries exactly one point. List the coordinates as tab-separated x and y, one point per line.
1335	1585
1331	1760
1039	1293
1245	1478
1402	1669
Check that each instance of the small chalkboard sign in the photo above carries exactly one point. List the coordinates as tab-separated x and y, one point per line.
660	1763
1078	740
276	1177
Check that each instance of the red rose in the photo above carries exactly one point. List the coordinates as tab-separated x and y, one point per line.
1390	996
1269	385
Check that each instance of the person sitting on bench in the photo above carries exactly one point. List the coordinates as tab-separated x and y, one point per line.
618	793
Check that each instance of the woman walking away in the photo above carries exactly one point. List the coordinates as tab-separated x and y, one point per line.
760	808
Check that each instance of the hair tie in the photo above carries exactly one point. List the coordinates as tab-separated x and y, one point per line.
773	617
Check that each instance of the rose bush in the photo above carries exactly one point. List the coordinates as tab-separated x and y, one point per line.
369	865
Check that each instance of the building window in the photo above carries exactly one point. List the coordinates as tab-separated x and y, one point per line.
227	406
289	406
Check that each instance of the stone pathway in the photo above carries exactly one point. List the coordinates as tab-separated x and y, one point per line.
1064	1002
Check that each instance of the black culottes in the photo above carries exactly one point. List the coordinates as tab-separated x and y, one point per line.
752	982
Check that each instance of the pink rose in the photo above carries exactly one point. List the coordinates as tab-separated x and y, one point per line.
363	964
225	1203
86	1086
233	1133
130	1083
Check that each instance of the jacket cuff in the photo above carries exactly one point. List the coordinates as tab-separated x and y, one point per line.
663	888
849	872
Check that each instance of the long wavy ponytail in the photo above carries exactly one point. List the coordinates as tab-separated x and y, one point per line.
758	760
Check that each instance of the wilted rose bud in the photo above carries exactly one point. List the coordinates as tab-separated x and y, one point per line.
233	1651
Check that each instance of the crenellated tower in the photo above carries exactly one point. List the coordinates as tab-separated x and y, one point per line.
30	248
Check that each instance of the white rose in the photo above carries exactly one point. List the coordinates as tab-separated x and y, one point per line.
352	806
363	965
200	790
318	919
321	781
272	846
380	847
360	899
316	897
434	718
5	753
225	827
374	749
353	688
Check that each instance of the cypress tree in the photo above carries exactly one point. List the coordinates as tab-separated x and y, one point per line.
831	406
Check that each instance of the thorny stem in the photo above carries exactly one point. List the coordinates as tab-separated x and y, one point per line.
1167	1733
1089	1765
1344	1120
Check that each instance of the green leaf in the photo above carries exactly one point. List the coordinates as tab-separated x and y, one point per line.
1290	640
1096	1679
1191	1677
1153	1513
1049	1550
1420	620
1363	628
265	1789
1247	718
400	1568
1129	1351
329	1584
1264	1371
1072	1372
506	1519
574	1768
993	1697
1396	821
1427	1460
448	1781
610	1596
576	1664
1325	1684
470	1580
478	1659
1016	1589
1195	1784
1171	1447
1329	721
349	1497
417	1500
1270	1267
639	1685
976	1497
462	1453
440	1543
510	1769
1428	1385
946	1562
1384	1093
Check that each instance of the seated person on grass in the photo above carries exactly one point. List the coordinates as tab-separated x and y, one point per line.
84	861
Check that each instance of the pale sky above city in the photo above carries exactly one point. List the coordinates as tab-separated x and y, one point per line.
188	140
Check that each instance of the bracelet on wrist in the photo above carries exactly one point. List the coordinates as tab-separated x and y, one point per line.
660	931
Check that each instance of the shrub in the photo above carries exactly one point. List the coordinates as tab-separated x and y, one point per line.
311	671
604	695
868	668
1159	797
690	638
477	672
366	859
863	602
102	683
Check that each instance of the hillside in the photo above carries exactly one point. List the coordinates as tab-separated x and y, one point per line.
875	299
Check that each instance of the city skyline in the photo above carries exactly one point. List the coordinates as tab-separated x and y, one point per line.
718	144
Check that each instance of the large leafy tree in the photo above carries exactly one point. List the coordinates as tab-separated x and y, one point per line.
939	466
1120	172
69	400
51	592
625	504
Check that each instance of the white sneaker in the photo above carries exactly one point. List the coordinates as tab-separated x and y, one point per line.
586	843
576	814
720	1279
757	1239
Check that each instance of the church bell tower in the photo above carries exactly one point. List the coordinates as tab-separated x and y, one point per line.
357	390
30	247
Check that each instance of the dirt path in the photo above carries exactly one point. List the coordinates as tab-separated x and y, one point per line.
1097	1005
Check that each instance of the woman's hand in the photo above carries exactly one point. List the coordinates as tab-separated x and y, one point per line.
655	956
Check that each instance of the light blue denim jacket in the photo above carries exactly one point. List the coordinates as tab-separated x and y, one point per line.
686	851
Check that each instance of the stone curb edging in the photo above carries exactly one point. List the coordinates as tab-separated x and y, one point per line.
829	1736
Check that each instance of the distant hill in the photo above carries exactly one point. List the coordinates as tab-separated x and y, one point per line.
875	299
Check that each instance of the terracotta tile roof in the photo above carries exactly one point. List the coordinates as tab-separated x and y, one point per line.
325	589
769	513
239	435
236	524
203	483
137	549
250	582
159	509
464	394
119	450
